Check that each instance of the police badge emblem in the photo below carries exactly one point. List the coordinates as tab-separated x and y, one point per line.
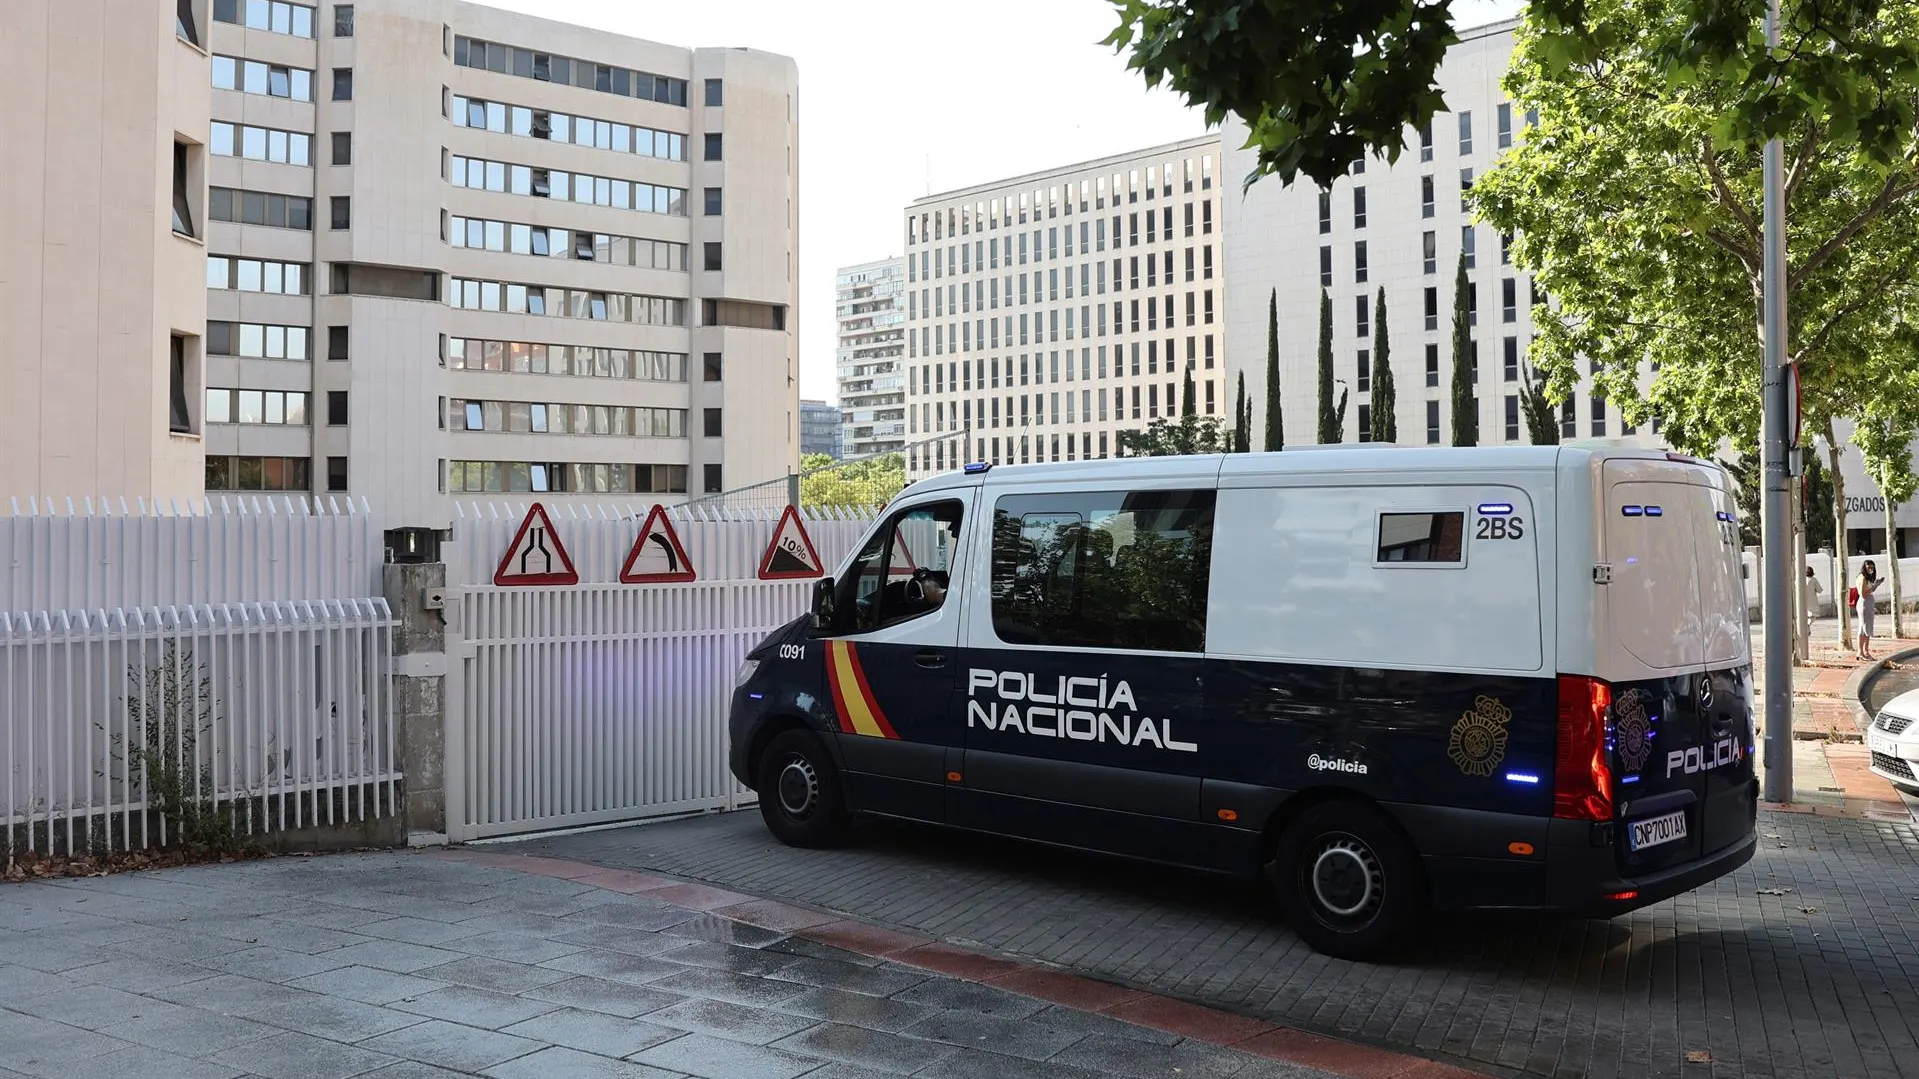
1632	731
1478	741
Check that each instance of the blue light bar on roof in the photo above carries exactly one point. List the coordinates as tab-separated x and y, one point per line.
1654	511
975	467
1724	516
1495	509
1632	511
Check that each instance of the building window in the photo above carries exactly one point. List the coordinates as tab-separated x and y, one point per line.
1432	422
1509	366
1432	364
714	202
1364	373
182	190
1326	267
336	474
268	80
343	84
1465	133
185	26
1359	262
1465	187
715	93
1365	423
1432	308
1599	417
277	408
1512	416
343	147
1425	197
1505	124
1429	253
1363	316
1468	245
179	355
1359	207
712	260
714	484
262	144
1509	300
1505	249
714	146
712	426
1325	211
336	414
341	212
260	208
257	275
568	71
273	16
336	342
343	20
259	474
712	366
1568	420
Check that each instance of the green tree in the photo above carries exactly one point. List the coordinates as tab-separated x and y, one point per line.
1816	494
1542	423
1322	82
1188	406
1465	406
1173	438
1242	437
1385	422
1275	417
871	481
1885	441
1332	418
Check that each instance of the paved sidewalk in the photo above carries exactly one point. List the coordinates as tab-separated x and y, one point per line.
430	966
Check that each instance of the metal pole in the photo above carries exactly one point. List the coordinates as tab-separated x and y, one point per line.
1774	509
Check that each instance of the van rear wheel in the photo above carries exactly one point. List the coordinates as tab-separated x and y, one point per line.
799	790
1348	881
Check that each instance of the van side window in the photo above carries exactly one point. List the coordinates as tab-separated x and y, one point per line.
1422	537
1111	569
902	572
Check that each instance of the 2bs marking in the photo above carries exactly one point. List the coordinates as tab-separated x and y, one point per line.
1501	528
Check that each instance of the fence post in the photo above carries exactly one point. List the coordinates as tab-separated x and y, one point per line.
419	693
792	488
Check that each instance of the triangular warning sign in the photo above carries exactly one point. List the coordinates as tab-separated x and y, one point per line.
791	554
901	561
657	557
536	556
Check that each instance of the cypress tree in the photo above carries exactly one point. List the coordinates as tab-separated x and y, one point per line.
1275	417
1332	418
1465	409
1241	442
1385	423
1187	405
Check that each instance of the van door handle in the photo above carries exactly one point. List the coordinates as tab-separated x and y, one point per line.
928	658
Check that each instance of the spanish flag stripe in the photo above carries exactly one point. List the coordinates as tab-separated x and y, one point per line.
866	692
858	709
832	680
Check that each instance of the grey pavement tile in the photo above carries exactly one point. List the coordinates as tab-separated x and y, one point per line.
965	997
31	1040
193	1032
229	994
978	1064
734	1022
536	884
87	931
273	964
96	1007
724	931
497	974
600	995
532	925
850	1071
414	930
394	955
1060	1017
873	981
620	939
1014	1037
300	1056
19	983
286	936
734	988
717	1058
867	1048
808	949
140	975
366	985
451	1045
330	916
716	956
512	947
179	945
502	903
615	966
857	1009
45	953
632	915
334	1018
475	1007
559	1062
1123	1056
593	1032
136	1061
413	1069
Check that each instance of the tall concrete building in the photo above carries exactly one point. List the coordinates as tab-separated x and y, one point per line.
819	428
449	250
1046	313
870	361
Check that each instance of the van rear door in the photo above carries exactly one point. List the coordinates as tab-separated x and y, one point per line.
1678	662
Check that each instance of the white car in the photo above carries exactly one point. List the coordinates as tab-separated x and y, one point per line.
1893	740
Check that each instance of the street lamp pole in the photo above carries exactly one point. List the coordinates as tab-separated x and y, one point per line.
1775	509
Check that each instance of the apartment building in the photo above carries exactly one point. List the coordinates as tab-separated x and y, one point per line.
1046	313
452	251
819	428
102	247
870	361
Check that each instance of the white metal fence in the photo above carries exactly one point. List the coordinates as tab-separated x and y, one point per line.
230	661
602	701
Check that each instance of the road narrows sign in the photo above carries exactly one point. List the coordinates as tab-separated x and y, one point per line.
657	556
790	556
536	556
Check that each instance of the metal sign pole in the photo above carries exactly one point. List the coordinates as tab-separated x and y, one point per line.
1775	508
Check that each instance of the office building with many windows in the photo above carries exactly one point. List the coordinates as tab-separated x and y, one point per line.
1049	312
452	251
819	428
870	363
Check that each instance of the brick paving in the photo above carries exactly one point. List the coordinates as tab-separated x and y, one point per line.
433	966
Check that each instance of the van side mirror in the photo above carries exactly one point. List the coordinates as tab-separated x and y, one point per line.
823	603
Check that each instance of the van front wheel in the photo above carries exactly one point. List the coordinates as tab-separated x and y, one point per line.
1348	881
799	792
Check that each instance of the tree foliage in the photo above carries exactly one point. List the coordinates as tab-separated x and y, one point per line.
1275	418
1173	438
1465	405
1542	425
1384	418
1242	436
871	481
1188	402
1332	417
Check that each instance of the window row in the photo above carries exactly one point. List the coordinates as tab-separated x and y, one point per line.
532	123
258	275
956	260
1044	326
262	144
1048	202
1041	408
490	476
278	407
473	295
481	234
253	340
266	473
547	67
260	208
523	357
531	417
543	183
255	77
1026	449
984	295
273	16
1041	368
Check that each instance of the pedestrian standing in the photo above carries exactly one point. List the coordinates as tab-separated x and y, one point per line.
1809	592
1868	581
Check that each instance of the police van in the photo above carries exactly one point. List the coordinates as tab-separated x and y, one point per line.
1386	680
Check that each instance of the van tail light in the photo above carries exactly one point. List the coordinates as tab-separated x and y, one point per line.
1582	781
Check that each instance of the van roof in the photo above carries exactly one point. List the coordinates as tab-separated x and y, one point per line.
1368	458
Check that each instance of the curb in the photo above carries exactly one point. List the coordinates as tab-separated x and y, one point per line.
1861	680
1213	1026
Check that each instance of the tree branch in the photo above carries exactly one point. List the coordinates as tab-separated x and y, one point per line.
1867	295
1802	162
1890	192
1748	257
1754	235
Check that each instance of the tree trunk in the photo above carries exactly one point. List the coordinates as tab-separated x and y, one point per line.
1801	632
1892	572
1843	579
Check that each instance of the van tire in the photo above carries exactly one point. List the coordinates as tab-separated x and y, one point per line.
800	797
1348	880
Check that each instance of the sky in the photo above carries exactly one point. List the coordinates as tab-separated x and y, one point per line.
904	98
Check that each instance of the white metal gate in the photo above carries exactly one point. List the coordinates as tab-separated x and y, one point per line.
602	701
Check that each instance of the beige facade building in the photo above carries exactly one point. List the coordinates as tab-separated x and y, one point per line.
1049	312
451	251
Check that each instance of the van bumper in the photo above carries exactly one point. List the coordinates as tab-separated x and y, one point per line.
1576	877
